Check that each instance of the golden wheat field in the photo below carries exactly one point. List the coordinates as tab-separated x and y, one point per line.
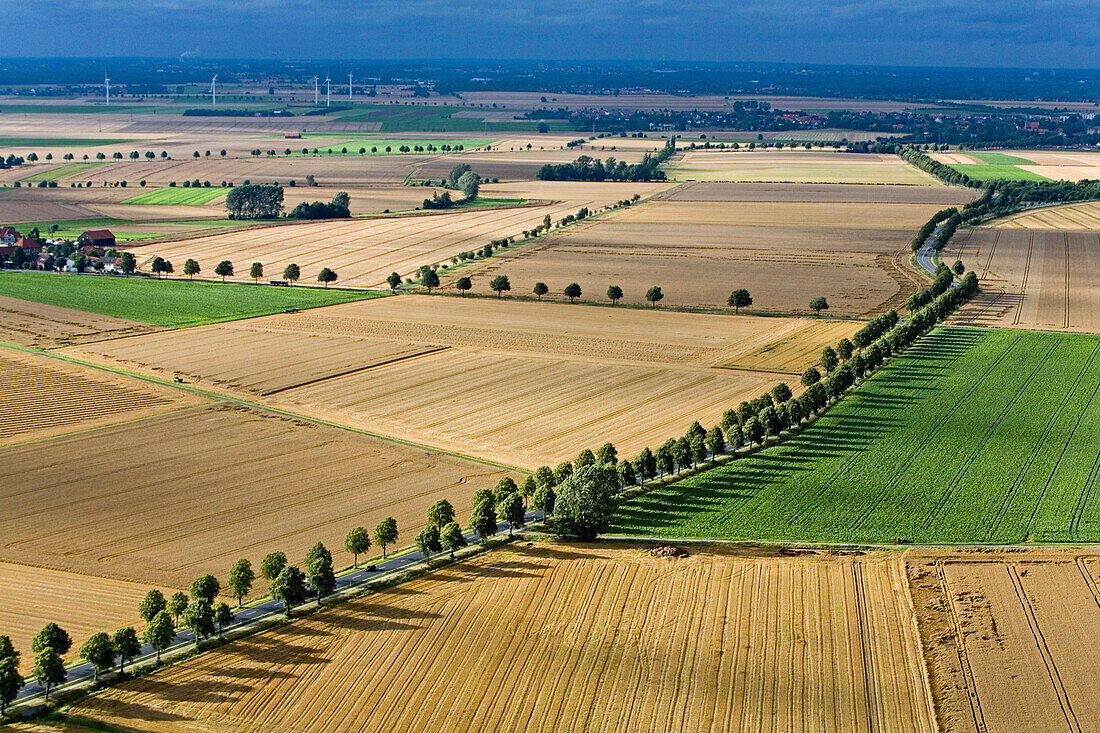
1068	217
522	383
570	638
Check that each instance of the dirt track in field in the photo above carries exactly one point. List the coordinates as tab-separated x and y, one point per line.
165	500
1010	638
521	383
568	638
1048	280
31	597
46	326
40	397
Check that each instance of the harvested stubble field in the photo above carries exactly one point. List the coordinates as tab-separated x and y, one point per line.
365	252
558	378
1068	217
45	326
783	252
551	638
1048	280
839	193
31	597
806	166
171	497
970	436
41	397
1010	638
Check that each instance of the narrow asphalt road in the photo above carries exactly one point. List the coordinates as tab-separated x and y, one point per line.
925	253
363	577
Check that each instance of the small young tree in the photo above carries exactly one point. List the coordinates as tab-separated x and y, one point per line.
958	268
500	284
177	604
385	533
572	291
292	273
440	513
223	616
191	268
224	269
614	294
53	637
99	652
319	571
428	542
739	299
452	538
289	588
272	564
127	646
152	604
49	669
241	577
256	271
463	284
11	682
326	276
356	543
541	290
653	295
394	281
819	304
160	633
511	511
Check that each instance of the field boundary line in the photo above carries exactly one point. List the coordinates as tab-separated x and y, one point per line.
864	646
960	649
1044	650
356	370
223	397
1090	582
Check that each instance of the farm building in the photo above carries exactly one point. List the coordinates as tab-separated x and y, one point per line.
97	238
8	235
30	247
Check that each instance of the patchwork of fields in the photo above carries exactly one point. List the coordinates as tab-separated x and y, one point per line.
785	244
970	436
562	377
570	638
1025	165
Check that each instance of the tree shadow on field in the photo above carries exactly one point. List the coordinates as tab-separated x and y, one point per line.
512	569
134	711
283	651
202	690
553	552
251	673
379	617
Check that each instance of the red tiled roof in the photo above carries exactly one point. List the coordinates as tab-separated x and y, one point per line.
98	234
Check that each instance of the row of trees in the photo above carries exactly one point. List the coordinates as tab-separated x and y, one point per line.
586	168
292	273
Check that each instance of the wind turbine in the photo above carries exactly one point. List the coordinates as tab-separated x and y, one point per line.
214	90
107	84
328	91
315	92
350	93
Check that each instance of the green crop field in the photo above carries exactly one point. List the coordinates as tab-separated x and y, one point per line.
998	165
72	169
174	303
177	196
59	142
971	436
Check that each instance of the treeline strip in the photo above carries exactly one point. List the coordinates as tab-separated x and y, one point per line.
586	168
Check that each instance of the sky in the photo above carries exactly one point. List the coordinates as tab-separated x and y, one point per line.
999	33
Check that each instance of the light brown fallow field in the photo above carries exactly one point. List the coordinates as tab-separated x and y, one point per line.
522	383
45	326
164	500
1068	217
570	638
1010	639
1031	279
784	252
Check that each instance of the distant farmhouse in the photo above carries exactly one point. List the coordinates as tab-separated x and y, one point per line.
99	238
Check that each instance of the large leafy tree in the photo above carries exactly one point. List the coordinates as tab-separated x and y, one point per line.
99	652
289	588
49	669
440	513
127	645
53	637
585	502
452	538
11	682
160	633
428	542
356	543
152	604
739	299
386	533
272	564
241	577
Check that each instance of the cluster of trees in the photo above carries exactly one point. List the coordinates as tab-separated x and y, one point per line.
915	157
11	161
338	208
929	227
255	201
586	168
460	178
1008	197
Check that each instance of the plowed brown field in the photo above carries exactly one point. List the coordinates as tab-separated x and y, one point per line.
783	252
1031	279
557	378
364	252
1010	639
40	397
167	499
37	324
31	597
550	638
